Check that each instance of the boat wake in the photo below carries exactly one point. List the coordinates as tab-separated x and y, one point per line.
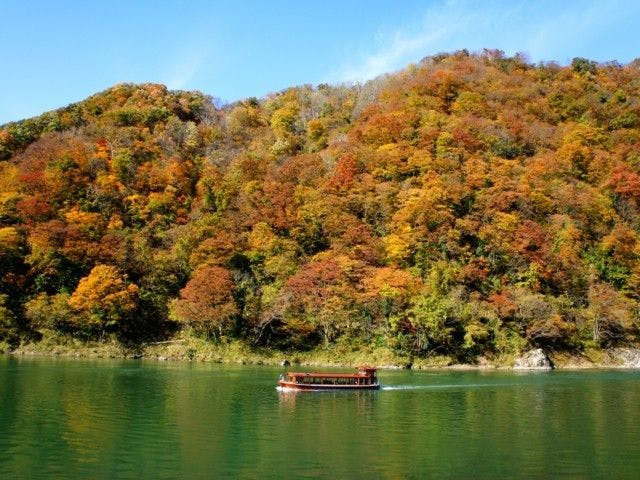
388	388
285	389
404	387
438	387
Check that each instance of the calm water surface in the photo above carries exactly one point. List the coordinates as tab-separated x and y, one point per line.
132	419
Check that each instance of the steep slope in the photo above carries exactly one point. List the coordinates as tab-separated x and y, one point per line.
469	204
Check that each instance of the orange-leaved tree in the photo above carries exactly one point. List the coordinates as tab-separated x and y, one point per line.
206	303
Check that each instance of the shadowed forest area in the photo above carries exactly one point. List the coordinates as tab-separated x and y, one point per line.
470	204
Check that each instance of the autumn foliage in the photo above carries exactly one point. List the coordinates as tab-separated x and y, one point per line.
470	204
206	302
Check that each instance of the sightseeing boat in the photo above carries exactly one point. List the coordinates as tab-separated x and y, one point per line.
363	379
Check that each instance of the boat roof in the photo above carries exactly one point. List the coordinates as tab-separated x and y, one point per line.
328	374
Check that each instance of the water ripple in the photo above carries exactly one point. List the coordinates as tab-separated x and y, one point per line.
97	420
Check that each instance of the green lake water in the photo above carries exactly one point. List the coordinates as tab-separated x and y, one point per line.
138	419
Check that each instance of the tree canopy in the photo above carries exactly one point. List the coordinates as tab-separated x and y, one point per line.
468	204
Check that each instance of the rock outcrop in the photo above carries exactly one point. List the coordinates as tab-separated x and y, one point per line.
533	360
627	357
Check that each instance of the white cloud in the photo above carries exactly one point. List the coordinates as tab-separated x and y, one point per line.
546	30
390	58
439	27
182	74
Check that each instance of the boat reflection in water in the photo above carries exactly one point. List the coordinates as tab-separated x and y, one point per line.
363	379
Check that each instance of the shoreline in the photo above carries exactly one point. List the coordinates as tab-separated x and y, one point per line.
192	349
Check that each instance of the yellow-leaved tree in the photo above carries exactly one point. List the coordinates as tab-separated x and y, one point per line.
103	300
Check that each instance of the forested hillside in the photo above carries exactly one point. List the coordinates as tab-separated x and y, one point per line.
469	204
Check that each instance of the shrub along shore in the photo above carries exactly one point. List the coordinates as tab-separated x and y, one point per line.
189	348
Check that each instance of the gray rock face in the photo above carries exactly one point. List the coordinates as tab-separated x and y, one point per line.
533	360
628	357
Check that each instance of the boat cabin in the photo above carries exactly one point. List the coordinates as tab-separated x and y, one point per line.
364	378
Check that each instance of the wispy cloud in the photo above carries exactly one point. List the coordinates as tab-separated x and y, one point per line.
438	28
547	30
183	72
389	58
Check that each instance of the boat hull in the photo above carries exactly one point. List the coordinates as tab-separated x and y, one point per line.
318	386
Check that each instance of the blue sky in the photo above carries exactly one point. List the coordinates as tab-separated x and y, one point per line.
53	53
